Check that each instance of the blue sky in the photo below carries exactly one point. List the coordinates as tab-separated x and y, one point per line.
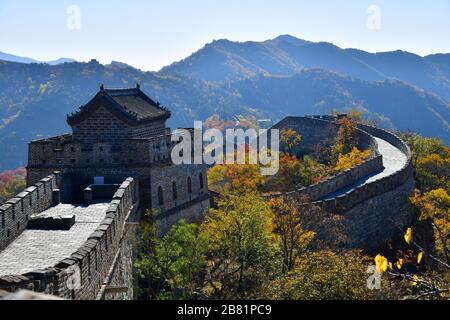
150	34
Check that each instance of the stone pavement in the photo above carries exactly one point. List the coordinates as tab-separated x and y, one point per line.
38	249
393	160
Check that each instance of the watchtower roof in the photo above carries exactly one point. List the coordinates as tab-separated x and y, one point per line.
132	104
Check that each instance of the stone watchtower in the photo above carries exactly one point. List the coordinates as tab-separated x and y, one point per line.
122	133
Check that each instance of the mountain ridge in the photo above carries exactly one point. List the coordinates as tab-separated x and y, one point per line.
14	58
35	98
287	55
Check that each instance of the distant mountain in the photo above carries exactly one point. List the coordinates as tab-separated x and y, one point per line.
59	61
224	60
35	99
13	58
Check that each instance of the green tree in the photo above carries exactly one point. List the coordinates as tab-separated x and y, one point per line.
171	267
242	246
324	275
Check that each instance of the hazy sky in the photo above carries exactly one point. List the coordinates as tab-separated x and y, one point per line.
150	34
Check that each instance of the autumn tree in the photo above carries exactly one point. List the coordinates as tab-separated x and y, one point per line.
434	206
242	246
11	183
293	238
347	137
433	171
236	176
324	275
354	158
290	173
290	139
417	272
355	115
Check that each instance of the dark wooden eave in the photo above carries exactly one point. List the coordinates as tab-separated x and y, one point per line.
132	106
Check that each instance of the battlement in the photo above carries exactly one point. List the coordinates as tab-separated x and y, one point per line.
85	273
120	135
64	151
16	212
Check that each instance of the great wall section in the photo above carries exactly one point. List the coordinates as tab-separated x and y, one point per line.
372	197
73	232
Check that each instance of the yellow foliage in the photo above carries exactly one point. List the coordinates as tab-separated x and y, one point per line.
354	158
399	264
290	138
419	258
408	235
382	263
435	206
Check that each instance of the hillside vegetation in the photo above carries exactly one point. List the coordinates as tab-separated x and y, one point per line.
271	79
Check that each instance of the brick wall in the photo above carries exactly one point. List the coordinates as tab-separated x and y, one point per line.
373	212
93	260
101	126
15	213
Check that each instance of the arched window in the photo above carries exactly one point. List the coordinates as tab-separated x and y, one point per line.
189	182
200	178
174	190
160	196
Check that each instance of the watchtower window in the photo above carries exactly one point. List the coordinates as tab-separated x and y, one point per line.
99	180
160	196
189	183
200	177
174	190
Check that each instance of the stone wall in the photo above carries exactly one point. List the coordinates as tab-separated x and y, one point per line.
191	212
66	152
149	129
373	212
353	197
321	131
179	185
85	274
102	125
306	126
379	219
16	212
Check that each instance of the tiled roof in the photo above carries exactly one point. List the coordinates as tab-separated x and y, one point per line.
131	103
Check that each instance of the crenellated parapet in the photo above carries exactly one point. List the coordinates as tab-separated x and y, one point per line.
85	274
16	212
64	151
373	196
351	198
